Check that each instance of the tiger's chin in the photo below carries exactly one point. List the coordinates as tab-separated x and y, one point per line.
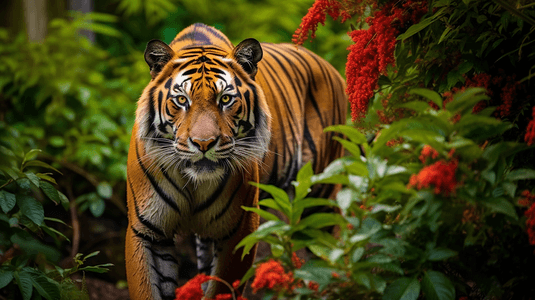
204	171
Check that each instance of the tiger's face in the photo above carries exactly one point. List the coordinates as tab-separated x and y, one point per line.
210	118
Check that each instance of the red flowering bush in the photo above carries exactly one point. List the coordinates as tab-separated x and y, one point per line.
411	222
440	174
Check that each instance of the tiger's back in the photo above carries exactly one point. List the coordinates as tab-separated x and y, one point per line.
213	118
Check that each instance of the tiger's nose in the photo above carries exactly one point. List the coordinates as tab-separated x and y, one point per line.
204	144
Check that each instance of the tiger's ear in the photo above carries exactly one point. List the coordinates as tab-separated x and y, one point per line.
248	53
157	54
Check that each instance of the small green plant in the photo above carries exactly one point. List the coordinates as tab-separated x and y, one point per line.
28	267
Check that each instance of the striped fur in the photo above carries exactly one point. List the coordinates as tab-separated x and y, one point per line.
213	118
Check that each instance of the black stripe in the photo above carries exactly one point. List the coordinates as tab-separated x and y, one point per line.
162	243
210	200
233	231
155	185
178	189
217	35
140	217
310	141
163	277
166	256
227	206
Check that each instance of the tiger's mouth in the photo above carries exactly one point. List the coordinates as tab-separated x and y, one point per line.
205	170
205	165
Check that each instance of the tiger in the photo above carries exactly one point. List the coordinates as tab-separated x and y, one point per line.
212	119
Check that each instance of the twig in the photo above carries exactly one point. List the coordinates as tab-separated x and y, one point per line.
74	220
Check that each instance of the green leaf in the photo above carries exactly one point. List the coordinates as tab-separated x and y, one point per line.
438	254
6	276
520	174
24	281
437	286
31	208
33	178
104	190
7	201
465	101
351	132
320	220
32	154
98	268
414	29
501	205
262	213
418	106
97	206
403	289
279	195
349	146
45	287
50	191
37	163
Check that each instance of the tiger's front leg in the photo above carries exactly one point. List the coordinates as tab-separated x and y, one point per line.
227	264
152	266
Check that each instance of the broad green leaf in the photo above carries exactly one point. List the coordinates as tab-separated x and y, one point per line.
414	29
24	281
279	195
403	289
300	206
437	286
7	201
345	197
500	205
33	178
335	254
92	254
262	213
50	191
428	94
31	208
97	206
45	287
320	220
32	154
37	163
520	174
47	178
317	270
438	254
351	132
104	190
6	276
349	146
268	228
465	101
418	106
357	254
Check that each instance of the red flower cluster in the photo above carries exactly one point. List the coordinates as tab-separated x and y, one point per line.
297	261
427	152
528	200
530	223
316	14
507	86
192	290
271	275
373	51
441	174
529	138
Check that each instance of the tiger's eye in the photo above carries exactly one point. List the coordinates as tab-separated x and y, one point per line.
182	99
225	99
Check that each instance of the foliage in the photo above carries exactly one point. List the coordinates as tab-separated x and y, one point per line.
26	260
400	240
63	98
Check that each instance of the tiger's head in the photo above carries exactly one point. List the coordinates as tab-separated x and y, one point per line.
203	114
